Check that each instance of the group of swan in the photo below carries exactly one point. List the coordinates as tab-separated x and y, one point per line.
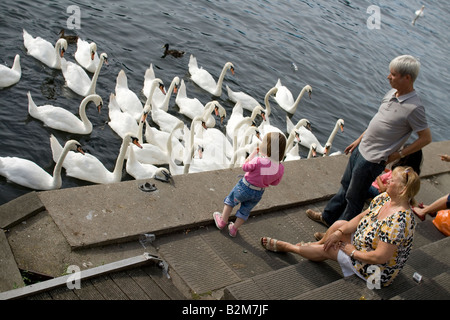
128	117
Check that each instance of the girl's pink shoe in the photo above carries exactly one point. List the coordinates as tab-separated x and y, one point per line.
220	224
232	231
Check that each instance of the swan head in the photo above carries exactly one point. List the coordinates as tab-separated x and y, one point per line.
62	44
308	89
167	176
176	82
97	100
74	145
93	49
220	111
340	123
230	66
132	139
104	57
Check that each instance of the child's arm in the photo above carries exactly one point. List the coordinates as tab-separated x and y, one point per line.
252	155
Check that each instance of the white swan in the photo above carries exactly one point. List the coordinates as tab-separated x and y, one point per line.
62	119
237	127
312	151
265	127
89	168
205	80
339	125
159	100
119	121
173	167
140	170
127	100
86	55
191	107
293	134
10	76
285	99
78	80
248	102
44	51
27	173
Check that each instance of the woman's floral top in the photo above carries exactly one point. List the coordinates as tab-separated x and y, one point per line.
397	229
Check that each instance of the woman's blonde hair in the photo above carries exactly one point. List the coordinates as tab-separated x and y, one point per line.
274	139
412	182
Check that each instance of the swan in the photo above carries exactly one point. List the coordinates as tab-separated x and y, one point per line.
312	151
191	107
237	126
419	13
120	122
10	76
173	167
265	127
250	140
293	153
89	168
293	131
127	100
44	51
61	119
86	55
28	174
140	170
173	53
78	80
339	125
159	100
205	80
285	99
165	121
248	102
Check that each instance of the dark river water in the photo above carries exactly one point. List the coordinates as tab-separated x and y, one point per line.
341	48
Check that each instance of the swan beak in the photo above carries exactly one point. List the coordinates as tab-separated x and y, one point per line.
161	87
297	136
232	70
99	107
135	141
216	111
175	89
221	120
310	94
314	153
92	55
204	125
62	52
263	115
144	116
80	150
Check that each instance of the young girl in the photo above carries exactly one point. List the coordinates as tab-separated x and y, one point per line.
260	172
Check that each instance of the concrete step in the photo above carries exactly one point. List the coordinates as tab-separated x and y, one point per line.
308	280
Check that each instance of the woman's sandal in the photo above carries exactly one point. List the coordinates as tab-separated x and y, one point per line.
269	246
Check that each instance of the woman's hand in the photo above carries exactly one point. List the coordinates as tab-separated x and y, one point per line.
347	248
332	241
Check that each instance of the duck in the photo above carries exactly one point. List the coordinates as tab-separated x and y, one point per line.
159	100
205	80
140	170
61	119
248	102
127	100
86	55
78	80
71	39
27	173
10	76
172	52
285	99
44	51
191	107
91	169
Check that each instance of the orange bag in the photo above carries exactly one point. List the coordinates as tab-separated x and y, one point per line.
442	221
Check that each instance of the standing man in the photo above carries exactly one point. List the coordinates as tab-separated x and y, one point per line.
401	113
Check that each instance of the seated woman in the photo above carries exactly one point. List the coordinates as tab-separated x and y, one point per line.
382	235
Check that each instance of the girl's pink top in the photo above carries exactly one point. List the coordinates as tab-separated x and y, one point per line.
384	178
262	172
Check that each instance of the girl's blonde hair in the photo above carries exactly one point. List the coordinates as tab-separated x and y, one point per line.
272	140
412	182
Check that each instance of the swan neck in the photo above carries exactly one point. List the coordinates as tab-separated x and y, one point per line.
82	112
220	80
297	101
95	77
57	181
120	159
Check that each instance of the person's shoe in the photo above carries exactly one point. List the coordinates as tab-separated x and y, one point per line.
316	216
220	224
232	231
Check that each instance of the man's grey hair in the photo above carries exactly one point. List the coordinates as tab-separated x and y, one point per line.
406	64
